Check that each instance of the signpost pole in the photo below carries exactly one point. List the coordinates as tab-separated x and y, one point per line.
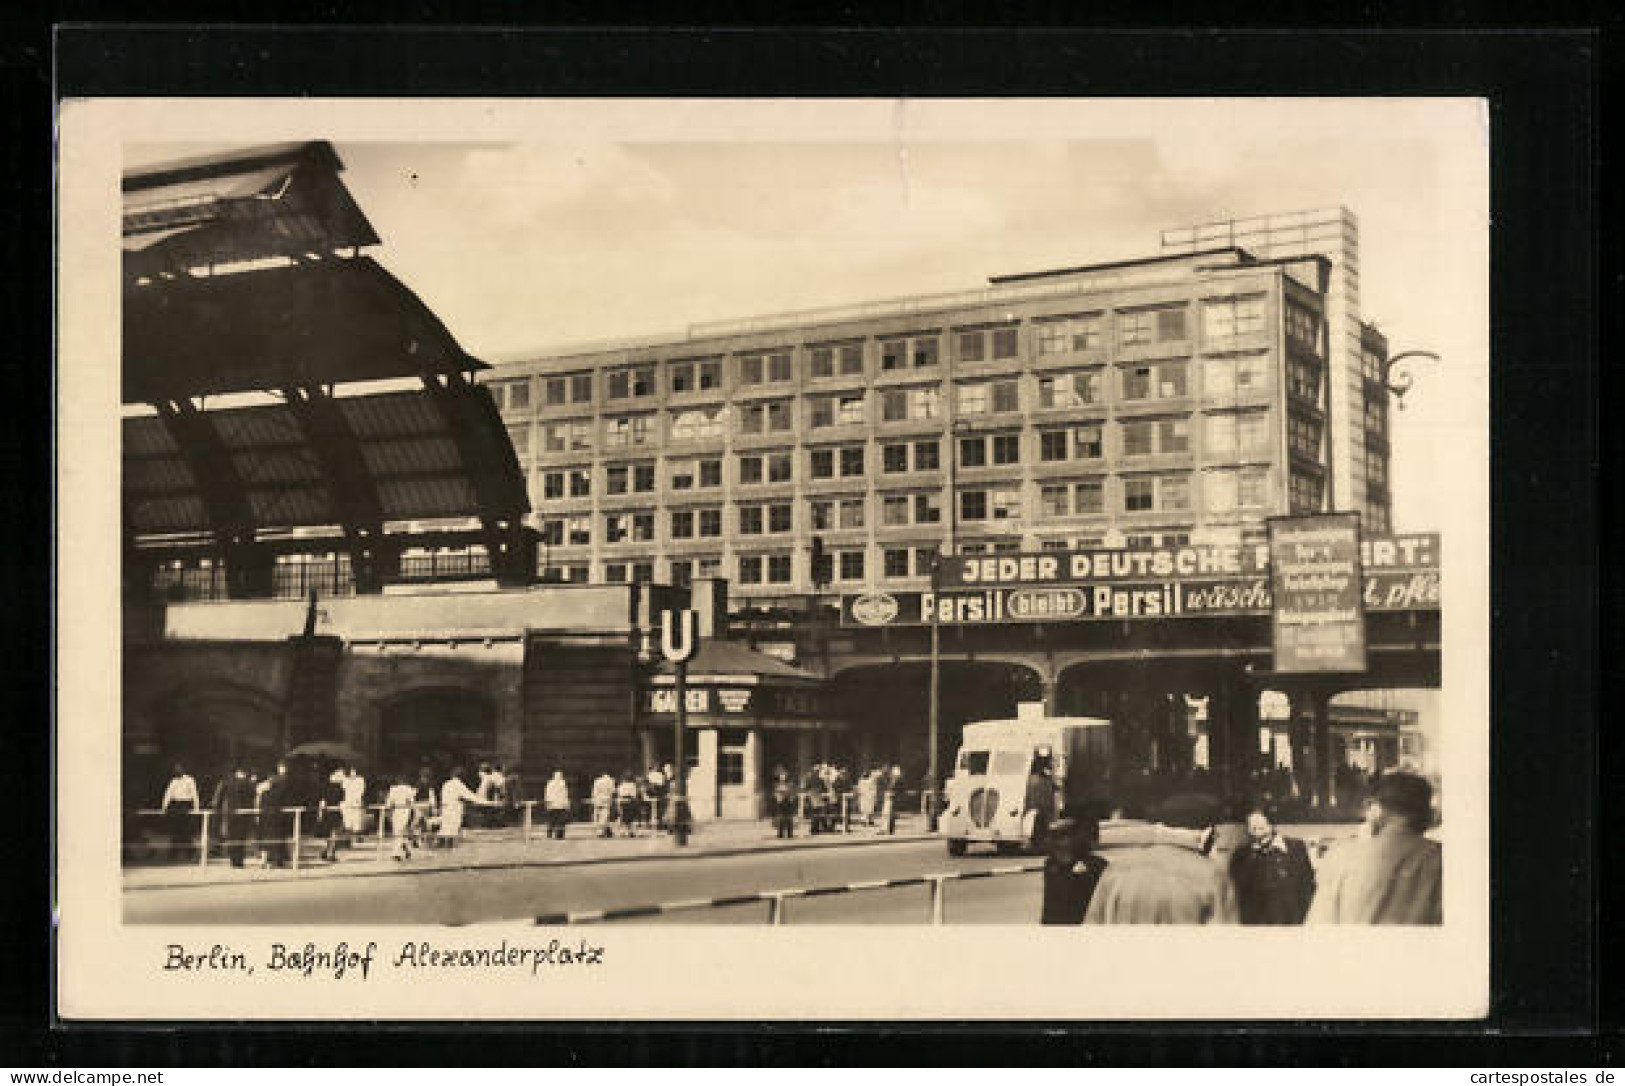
679	786
930	797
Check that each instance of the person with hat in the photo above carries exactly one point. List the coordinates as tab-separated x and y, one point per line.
1071	870
1175	879
1391	875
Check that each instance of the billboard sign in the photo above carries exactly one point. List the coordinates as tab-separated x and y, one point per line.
1318	608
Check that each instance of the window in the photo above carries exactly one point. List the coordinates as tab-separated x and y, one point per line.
1006	448
511	395
1220	491
1303	327
928	508
710	523
850	359
1053	445
697	423
1376	419
1138	439
617	526
757	369
628	430
987	345
694	375
1073	443
779	517
616	478
643	477
778	569
894	563
894	510
821	463
1303	379
926	456
1226	317
1376	472
750	470
1055	501
519	437
750	520
580	483
1170	324
780	467
1236	375
710	473
1070	334
973	399
566	436
846	410
912	403
893	458
682	524
972	452
630	382
822	515
581	388
1303	436
852	461
1143	493
1134	329
1304	492
556	391
761	418
686	473
820	412
1089	497
682	572
1371	364
973	505
925	560
1173	436
1253	488
1005	503
851	512
850	410
554	484
750	569
1077	389
851	565
1143	326
578	531
1088	442
552	533
919	351
1160	381
615	572
1006	396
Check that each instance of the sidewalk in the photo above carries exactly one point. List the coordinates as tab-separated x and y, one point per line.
505	848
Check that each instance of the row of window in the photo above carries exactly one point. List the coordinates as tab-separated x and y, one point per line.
1224	490
1223	321
1227	434
1222	378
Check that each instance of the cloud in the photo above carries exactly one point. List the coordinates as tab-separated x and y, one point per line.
532	183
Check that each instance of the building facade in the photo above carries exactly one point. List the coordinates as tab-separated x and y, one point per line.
1179	398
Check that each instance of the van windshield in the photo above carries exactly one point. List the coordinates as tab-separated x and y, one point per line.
1011	763
973	762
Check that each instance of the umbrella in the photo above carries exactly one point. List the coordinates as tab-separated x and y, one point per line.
328	749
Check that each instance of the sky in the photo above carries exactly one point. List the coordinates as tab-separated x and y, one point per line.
624	222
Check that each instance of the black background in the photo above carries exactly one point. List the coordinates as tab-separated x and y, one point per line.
1551	837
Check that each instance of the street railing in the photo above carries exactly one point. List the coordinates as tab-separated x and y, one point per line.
775	900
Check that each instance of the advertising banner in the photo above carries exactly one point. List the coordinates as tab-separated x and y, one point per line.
1399	573
1318	614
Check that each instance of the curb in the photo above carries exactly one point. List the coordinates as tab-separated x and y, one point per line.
517	865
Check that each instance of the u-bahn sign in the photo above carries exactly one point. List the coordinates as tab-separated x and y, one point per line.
1399	572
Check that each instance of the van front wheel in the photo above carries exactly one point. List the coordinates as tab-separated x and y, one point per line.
956	846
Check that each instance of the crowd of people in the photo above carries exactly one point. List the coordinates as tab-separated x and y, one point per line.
1244	870
254	814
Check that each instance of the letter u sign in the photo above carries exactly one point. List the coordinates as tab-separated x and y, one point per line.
679	635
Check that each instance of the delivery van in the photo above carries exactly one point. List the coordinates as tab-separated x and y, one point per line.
1013	776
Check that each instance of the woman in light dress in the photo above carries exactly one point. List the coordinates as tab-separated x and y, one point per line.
455	796
401	801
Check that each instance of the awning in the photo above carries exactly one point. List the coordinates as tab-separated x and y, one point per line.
731	662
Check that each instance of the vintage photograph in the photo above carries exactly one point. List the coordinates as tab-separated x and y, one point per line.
847	522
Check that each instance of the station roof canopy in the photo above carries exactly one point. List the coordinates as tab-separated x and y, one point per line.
728	661
241	273
416	467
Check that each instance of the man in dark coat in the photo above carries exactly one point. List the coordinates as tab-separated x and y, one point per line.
276	827
1272	874
233	794
1072	870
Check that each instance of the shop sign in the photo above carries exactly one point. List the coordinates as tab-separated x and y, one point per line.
1317	612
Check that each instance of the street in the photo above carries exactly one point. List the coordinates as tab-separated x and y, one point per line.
473	896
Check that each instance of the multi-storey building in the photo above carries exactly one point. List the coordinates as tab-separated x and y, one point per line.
1358	399
1154	401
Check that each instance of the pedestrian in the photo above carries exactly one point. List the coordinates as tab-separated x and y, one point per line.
784	804
1168	882
1040	796
455	797
400	803
654	788
556	797
233	812
626	803
276	825
485	787
426	809
1273	876
1072	871
330	815
866	794
1393	874
603	804
354	803
180	805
